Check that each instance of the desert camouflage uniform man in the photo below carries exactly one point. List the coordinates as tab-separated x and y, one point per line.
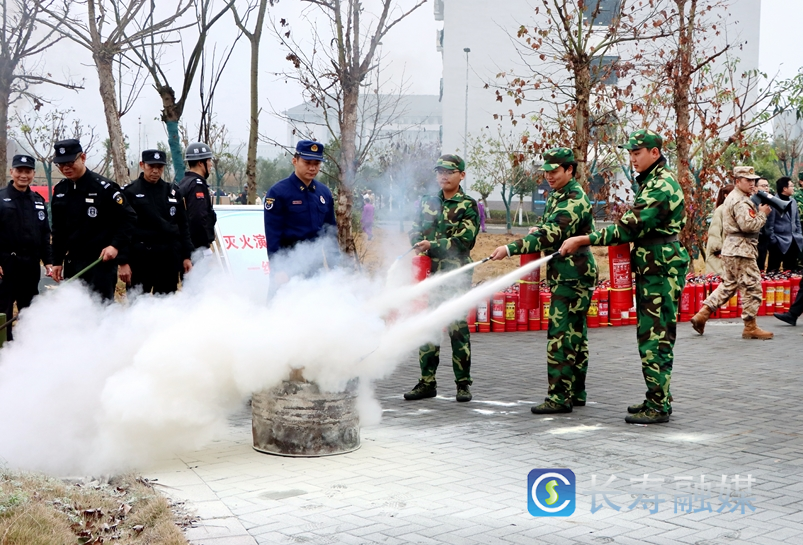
660	262
24	239
571	280
91	219
741	224
446	230
161	246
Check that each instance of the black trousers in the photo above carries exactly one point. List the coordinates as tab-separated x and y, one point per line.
102	278
788	259
20	283
154	273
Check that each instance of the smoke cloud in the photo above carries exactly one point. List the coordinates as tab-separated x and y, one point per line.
93	389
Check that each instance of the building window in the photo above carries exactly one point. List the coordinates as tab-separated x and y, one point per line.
601	12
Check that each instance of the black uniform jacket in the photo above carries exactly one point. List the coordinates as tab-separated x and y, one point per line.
24	227
88	215
161	219
200	214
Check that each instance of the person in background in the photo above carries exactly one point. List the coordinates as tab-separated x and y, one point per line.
766	232
367	217
786	238
481	208
197	198
24	239
713	249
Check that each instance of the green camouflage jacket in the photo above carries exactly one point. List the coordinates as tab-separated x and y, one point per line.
451	226
567	213
658	211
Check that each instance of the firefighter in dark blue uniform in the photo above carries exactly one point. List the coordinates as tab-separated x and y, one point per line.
298	209
91	220
161	246
24	238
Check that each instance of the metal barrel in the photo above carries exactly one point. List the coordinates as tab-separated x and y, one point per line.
297	419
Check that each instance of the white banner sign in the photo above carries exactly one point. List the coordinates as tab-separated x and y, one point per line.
240	234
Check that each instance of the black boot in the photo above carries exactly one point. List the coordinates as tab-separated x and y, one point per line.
422	390
787	317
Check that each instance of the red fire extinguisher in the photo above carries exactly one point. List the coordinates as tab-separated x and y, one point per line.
686	298
498	312
484	316
422	266
511	302
593	310
602	305
546	301
621	296
472	319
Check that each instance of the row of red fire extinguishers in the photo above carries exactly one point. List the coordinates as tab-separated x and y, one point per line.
524	306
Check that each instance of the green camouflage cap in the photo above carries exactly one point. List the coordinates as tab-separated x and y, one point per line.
643	138
451	162
555	157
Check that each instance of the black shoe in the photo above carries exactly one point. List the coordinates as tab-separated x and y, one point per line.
633	409
463	391
787	317
647	416
578	403
550	407
422	390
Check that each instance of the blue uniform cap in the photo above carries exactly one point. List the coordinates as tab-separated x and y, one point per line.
310	150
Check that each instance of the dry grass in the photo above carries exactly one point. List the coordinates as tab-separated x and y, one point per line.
35	509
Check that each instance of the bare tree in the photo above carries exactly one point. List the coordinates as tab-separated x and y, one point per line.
18	44
254	37
150	53
108	30
39	133
571	54
332	75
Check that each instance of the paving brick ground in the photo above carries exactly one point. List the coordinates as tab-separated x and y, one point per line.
436	471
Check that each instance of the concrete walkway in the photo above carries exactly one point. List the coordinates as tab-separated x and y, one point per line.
436	471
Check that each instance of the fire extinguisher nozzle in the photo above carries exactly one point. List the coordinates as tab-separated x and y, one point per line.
486	259
405	253
556	254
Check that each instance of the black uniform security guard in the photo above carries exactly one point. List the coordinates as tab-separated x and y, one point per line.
91	219
297	209
24	238
195	192
161	246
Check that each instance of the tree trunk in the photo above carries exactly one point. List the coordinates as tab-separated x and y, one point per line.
253	133
348	153
110	109
681	82
582	113
171	114
47	166
5	93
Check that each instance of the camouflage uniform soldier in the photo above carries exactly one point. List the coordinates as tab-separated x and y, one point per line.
659	261
446	230
571	279
741	224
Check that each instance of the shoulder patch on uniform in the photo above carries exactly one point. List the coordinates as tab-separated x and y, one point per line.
269	203
118	197
199	195
752	212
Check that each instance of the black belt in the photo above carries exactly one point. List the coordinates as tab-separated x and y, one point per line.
753	236
656	241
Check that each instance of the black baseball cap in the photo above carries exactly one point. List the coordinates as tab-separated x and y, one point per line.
67	150
23	161
154	157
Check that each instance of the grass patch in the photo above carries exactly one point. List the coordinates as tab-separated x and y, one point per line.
35	509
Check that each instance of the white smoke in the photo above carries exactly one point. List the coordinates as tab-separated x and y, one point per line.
87	388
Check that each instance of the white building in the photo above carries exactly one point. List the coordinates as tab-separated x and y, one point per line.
488	31
407	117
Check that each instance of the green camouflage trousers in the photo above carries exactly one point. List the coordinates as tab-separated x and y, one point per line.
429	354
567	345
656	307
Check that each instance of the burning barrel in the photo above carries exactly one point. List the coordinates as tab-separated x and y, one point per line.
297	419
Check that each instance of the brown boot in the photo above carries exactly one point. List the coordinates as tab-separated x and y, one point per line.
699	319
752	331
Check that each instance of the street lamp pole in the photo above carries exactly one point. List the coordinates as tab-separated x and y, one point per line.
466	50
